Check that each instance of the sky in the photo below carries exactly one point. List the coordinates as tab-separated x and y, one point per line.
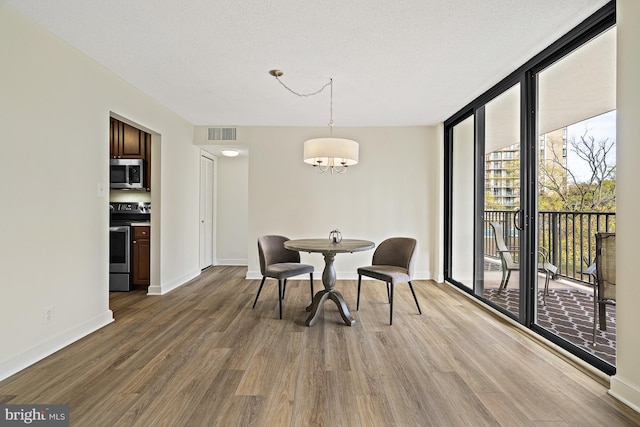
600	127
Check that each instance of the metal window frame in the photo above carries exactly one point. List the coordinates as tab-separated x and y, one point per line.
526	75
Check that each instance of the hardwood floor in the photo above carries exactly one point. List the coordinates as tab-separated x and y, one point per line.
200	356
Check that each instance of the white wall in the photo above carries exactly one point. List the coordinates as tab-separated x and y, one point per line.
393	191
54	113
387	193
54	110
232	210
625	385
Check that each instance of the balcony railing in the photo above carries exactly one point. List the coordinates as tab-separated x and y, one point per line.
568	236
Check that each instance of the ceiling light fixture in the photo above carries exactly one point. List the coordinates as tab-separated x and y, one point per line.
229	153
326	154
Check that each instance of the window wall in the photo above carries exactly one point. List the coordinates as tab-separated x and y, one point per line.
576	129
509	239
501	206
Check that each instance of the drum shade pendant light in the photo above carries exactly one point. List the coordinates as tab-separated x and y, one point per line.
326	154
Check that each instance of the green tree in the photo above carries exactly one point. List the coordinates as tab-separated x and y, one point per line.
563	190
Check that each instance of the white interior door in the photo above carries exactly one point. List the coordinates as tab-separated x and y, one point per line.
206	212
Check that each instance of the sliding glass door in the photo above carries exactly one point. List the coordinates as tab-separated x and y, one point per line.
529	181
462	199
485	201
576	131
499	135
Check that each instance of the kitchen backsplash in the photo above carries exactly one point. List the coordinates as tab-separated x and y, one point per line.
129	196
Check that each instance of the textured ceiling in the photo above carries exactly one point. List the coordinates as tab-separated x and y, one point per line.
394	63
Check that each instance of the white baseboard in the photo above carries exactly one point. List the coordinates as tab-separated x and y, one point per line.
625	392
231	261
48	347
169	286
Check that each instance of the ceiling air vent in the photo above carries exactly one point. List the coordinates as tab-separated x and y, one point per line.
222	134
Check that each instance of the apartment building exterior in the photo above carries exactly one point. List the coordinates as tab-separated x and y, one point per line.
502	170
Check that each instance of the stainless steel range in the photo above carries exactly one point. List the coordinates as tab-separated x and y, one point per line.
122	215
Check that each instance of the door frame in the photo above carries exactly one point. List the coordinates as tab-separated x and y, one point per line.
212	158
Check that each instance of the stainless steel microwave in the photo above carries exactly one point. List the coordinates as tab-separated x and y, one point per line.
126	173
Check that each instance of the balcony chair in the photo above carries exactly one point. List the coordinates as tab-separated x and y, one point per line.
604	290
393	262
280	263
509	265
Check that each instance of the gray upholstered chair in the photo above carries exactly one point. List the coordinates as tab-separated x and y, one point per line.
280	263
393	262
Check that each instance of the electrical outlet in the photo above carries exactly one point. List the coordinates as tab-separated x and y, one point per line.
49	314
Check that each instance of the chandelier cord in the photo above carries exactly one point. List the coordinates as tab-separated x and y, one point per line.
325	154
331	109
305	95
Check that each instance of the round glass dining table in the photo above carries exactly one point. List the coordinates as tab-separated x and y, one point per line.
329	249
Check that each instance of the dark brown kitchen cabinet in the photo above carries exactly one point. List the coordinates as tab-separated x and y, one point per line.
141	256
115	134
147	161
126	142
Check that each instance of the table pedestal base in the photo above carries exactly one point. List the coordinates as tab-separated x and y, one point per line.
318	304
329	249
